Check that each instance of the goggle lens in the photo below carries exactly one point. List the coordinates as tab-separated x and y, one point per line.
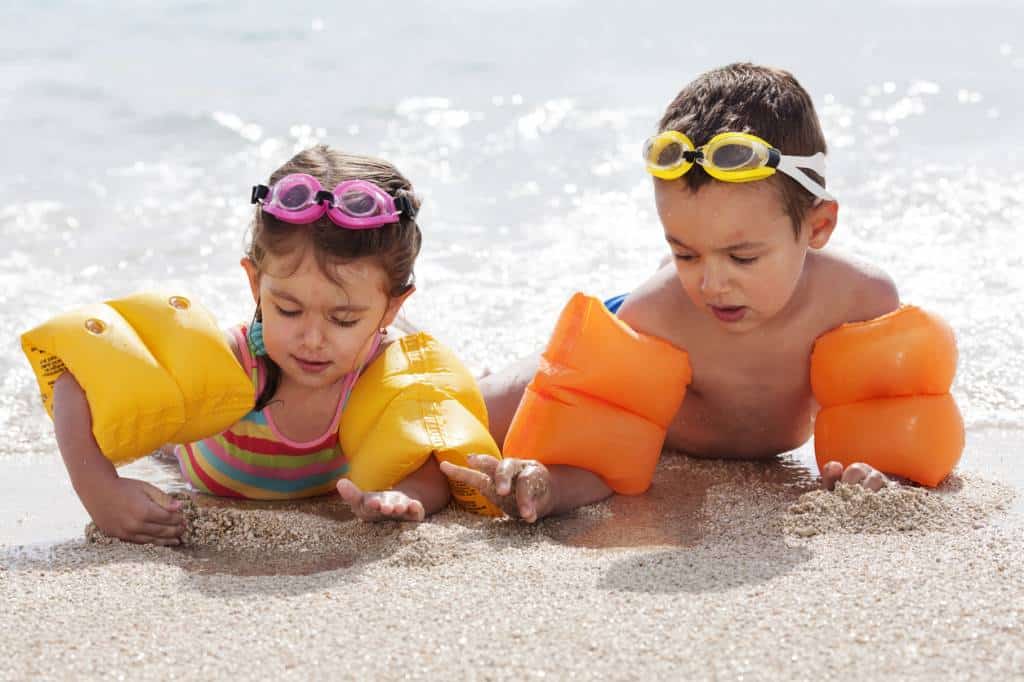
738	156
295	197
359	204
670	155
667	151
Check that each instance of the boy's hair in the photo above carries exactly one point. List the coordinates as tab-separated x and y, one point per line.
758	100
394	246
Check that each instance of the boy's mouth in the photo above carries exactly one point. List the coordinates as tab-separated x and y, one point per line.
729	313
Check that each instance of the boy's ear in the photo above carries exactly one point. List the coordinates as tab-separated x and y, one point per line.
254	277
820	221
394	306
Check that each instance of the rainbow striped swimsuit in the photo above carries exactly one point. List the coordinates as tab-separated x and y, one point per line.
252	459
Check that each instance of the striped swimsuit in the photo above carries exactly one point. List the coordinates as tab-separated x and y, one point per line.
253	459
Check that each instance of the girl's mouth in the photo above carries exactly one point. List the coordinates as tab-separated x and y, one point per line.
311	366
733	313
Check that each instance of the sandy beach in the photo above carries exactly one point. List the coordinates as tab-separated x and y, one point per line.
133	133
723	570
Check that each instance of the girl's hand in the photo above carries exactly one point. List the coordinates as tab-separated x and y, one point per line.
389	504
857	473
519	487
136	511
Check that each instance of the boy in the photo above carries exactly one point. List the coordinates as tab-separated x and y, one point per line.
747	295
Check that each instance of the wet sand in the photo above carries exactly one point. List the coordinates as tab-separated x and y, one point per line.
721	570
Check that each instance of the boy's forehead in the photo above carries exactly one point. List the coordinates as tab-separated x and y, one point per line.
721	212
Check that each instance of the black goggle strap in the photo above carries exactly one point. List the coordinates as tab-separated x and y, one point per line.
259	193
405	206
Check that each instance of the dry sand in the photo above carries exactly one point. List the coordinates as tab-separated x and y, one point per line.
724	570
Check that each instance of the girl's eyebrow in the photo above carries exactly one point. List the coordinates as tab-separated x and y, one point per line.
347	308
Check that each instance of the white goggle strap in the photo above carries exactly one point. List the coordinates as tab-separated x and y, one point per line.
792	165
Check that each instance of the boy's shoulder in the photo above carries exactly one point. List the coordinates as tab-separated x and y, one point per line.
850	289
659	306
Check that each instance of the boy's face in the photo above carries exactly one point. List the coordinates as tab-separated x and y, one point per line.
735	251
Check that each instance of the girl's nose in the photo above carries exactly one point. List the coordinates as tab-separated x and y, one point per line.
313	334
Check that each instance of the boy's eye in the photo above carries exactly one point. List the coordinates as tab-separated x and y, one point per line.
345	323
287	313
685	257
744	261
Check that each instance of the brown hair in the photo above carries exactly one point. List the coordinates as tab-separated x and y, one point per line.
393	246
758	100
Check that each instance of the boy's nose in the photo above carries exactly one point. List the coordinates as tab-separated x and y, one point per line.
713	281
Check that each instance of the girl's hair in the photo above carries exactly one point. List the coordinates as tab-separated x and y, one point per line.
394	247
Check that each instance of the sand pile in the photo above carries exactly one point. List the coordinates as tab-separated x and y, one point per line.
898	508
309	536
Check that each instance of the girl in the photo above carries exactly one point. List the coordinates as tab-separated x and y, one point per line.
330	264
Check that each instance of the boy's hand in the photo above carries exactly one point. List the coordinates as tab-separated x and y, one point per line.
857	473
519	487
389	504
136	511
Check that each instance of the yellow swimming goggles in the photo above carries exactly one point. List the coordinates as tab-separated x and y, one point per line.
730	157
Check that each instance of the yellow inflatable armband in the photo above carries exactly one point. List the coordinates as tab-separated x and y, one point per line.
155	369
883	386
602	399
415	400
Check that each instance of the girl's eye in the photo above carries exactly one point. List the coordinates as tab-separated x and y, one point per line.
744	261
345	323
685	257
287	313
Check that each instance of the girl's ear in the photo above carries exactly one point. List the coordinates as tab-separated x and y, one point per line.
394	306
820	222
254	277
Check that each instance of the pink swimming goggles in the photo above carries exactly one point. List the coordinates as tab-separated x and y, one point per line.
354	204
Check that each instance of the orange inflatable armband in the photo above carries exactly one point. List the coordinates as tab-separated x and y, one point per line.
602	398
883	386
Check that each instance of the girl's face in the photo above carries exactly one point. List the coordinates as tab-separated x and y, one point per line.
736	255
315	330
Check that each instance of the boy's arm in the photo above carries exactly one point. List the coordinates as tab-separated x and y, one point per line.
121	507
526	488
875	296
573	487
882	378
503	391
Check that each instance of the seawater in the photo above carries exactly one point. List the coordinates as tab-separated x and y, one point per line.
132	132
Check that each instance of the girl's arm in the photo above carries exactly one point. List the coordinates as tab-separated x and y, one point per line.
428	485
121	507
415	497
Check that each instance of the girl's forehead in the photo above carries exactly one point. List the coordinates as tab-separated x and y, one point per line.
304	276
